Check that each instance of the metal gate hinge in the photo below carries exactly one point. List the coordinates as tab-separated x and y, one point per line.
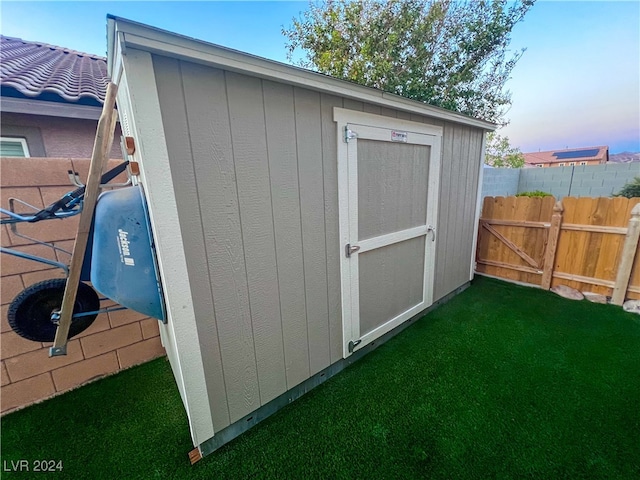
349	249
353	345
349	134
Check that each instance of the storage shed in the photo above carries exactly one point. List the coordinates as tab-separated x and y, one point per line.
299	220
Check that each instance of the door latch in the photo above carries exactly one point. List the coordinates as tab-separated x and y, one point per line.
432	229
353	344
349	249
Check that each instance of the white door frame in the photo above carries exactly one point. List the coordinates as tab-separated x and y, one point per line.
349	123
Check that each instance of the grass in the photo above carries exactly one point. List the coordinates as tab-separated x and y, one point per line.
501	382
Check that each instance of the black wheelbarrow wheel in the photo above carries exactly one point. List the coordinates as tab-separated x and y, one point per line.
30	312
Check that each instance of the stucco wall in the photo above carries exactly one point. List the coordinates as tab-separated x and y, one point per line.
114	341
56	137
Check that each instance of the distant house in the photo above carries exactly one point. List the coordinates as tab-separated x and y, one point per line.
51	100
567	157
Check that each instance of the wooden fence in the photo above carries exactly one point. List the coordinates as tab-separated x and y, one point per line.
590	244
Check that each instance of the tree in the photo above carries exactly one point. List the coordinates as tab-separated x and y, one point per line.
500	153
449	53
631	189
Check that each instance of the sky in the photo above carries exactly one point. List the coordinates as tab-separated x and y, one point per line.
577	84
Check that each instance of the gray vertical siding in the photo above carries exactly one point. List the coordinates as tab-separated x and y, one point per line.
210	135
248	133
181	146
375	109
283	174
255	170
458	192
309	142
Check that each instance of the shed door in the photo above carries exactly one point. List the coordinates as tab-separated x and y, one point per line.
390	252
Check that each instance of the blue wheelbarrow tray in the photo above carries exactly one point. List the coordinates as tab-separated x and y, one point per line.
122	259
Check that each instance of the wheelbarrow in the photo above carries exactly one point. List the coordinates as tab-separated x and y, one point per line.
119	262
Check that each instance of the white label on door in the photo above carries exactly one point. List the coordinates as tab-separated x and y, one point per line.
398	136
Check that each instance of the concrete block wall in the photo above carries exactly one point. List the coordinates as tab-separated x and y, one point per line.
576	181
555	180
500	182
602	180
114	341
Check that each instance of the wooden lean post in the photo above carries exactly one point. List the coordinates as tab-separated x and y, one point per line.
552	245
628	255
101	149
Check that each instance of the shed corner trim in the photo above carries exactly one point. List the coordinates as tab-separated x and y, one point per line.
138	99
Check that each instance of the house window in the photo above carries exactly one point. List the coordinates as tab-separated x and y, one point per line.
583	163
572	163
539	165
561	164
13	147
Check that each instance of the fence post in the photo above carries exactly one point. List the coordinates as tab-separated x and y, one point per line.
628	255
552	245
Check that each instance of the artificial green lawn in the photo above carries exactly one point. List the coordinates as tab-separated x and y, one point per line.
501	382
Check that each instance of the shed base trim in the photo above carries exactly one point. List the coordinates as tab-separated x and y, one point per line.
235	429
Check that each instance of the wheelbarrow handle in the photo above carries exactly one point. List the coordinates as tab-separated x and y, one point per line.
72	198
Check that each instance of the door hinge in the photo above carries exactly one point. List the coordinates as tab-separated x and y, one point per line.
353	345
349	134
349	249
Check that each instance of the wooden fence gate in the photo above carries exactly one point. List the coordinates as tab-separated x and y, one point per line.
590	244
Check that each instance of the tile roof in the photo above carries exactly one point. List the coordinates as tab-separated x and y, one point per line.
534	158
38	70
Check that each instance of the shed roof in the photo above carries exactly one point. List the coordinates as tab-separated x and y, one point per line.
47	72
566	155
123	34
